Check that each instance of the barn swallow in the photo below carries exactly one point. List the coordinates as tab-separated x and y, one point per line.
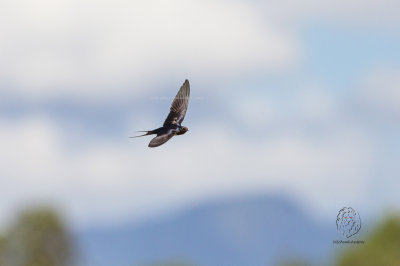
172	125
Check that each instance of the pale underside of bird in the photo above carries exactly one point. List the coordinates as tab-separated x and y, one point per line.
173	123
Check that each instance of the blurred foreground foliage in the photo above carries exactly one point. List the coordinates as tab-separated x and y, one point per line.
37	237
381	248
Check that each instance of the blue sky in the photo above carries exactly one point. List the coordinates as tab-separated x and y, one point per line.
300	101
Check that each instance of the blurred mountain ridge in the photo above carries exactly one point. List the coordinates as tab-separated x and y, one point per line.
246	230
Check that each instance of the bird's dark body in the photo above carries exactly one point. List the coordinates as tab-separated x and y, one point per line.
175	129
172	124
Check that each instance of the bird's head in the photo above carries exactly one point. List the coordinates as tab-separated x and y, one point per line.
183	131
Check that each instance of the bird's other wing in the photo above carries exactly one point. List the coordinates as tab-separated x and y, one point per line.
161	139
179	106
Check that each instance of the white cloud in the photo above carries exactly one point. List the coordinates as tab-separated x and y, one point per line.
315	103
381	90
110	182
254	112
102	49
92	49
369	13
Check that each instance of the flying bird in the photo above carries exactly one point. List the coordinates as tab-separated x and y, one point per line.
173	123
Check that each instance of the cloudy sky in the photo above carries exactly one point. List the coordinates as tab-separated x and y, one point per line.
300	98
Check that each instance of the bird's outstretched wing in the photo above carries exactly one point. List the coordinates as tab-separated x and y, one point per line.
161	139
179	106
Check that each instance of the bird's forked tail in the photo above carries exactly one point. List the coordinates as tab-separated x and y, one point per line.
148	132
